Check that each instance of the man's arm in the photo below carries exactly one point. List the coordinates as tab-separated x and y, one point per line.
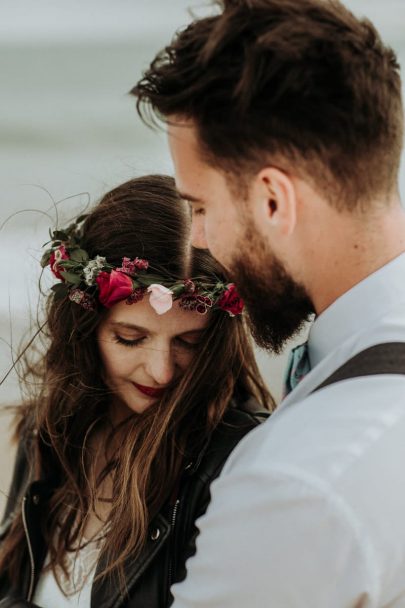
274	538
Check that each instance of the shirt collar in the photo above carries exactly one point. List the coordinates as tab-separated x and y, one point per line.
356	309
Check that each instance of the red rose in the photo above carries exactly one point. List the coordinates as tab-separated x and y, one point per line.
113	287
230	301
57	256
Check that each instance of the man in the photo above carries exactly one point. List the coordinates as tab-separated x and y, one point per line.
285	125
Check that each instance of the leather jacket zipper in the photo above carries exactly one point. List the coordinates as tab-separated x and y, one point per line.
30	551
173	523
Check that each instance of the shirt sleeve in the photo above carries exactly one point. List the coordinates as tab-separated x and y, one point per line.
273	538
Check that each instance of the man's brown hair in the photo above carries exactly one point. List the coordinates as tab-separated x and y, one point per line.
300	84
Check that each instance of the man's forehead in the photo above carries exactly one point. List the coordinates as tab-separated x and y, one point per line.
196	179
191	172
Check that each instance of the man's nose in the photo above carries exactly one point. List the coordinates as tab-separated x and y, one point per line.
161	366
198	238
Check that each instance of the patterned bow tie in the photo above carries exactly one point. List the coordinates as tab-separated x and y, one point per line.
298	366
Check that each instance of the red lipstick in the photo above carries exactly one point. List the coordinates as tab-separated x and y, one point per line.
149	391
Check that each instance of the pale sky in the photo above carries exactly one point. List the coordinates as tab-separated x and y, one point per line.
27	21
53	20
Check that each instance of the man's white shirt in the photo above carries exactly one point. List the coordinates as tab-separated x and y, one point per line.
309	511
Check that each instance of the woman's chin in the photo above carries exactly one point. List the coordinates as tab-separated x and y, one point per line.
123	408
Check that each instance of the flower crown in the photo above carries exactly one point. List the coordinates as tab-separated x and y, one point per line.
86	281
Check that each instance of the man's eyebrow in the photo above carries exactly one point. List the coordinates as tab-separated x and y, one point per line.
190	197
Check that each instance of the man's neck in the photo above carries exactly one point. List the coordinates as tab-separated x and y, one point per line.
354	251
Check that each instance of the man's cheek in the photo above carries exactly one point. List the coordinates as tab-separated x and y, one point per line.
198	238
217	233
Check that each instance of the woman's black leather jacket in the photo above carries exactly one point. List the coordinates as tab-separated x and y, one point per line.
172	533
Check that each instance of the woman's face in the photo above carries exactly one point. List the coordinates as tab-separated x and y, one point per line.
144	353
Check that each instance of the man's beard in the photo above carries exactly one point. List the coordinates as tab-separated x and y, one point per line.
277	306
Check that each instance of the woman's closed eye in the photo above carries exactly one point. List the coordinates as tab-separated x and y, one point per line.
126	342
178	342
188	345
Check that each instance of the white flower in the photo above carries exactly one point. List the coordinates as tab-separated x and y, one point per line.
100	261
92	269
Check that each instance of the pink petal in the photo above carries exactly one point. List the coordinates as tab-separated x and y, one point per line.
161	298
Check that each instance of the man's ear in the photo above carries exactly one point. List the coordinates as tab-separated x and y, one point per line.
275	201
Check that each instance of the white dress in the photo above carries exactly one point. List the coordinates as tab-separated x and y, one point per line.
81	567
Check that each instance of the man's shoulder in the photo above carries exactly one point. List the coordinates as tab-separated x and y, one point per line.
332	431
341	449
328	467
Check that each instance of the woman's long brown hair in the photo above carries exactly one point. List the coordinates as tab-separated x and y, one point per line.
69	401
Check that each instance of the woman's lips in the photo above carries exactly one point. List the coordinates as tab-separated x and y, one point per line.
147	390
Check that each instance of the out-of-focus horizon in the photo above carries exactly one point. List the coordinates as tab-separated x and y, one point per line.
102	20
69	129
92	21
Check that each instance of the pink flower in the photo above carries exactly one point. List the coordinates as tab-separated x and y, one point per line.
113	287
57	256
131	266
230	301
161	298
136	295
189	286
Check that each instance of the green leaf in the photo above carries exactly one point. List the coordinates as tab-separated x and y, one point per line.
150	279
178	290
79	255
46	258
70	277
59	235
68	264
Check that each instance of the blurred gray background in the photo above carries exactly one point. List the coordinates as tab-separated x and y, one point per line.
69	132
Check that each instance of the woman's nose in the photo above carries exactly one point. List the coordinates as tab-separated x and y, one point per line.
161	366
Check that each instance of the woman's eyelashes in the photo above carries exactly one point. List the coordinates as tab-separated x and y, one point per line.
186	344
129	343
178	342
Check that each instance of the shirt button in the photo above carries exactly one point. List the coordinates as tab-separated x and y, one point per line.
36	499
155	534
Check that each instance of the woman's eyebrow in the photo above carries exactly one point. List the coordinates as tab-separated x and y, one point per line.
128	326
191	332
125	325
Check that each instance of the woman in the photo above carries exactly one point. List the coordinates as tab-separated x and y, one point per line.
147	383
